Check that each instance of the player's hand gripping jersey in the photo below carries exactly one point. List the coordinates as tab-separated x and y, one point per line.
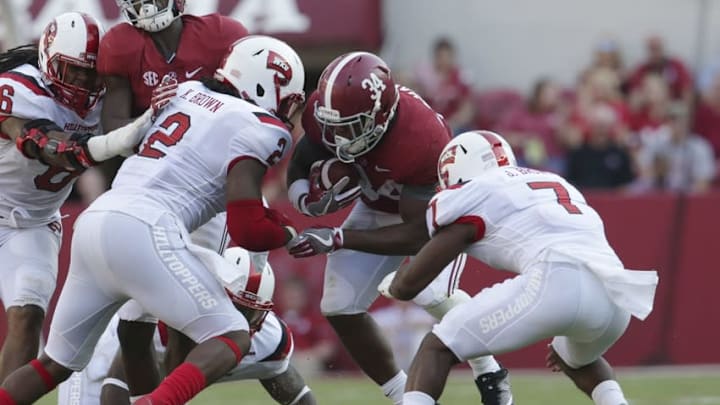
182	164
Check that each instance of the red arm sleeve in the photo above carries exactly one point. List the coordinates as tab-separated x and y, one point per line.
256	228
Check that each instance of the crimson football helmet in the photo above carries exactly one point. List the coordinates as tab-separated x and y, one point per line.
250	290
358	99
471	154
151	15
267	72
67	58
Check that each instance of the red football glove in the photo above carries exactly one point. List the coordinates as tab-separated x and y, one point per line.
163	93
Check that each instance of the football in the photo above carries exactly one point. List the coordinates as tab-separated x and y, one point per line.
332	170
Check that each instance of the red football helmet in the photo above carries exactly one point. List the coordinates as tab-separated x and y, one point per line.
67	57
358	98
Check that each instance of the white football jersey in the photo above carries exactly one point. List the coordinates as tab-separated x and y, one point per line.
31	193
183	161
525	212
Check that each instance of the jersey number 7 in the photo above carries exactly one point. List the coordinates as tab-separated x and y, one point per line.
563	197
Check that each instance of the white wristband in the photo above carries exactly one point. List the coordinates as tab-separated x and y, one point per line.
116	382
297	189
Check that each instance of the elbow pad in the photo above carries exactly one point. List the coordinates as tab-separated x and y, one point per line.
257	228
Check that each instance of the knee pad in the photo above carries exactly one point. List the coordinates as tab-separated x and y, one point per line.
438	310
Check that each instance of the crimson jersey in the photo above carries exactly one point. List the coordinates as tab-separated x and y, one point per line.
406	155
130	53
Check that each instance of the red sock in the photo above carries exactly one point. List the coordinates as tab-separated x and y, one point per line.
5	398
180	386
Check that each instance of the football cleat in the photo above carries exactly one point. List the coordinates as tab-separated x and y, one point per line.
495	388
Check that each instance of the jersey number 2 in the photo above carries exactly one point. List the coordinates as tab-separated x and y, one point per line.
563	197
177	124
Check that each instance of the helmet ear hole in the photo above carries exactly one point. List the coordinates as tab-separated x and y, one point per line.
259	90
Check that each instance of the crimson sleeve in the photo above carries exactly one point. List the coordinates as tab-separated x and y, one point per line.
255	227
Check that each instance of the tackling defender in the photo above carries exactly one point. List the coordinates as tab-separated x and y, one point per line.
570	283
46	89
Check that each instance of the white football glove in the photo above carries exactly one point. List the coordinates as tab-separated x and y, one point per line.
120	141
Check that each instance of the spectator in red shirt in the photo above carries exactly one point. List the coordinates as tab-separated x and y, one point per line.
606	55
707	115
650	104
672	70
601	88
443	85
533	129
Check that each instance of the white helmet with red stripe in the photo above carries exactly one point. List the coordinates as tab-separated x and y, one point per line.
67	57
471	154
266	71
251	290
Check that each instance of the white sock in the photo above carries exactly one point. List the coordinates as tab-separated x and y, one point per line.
395	387
482	365
608	392
417	398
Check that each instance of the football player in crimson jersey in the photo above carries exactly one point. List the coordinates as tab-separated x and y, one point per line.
359	115
162	42
46	89
570	284
207	152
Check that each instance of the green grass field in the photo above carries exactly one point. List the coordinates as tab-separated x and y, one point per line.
656	386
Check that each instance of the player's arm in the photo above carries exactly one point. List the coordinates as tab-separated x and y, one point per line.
405	238
435	255
250	224
43	140
289	388
402	239
298	172
117	103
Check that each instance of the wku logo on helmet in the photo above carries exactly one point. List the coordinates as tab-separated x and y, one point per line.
282	66
447	158
50	37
